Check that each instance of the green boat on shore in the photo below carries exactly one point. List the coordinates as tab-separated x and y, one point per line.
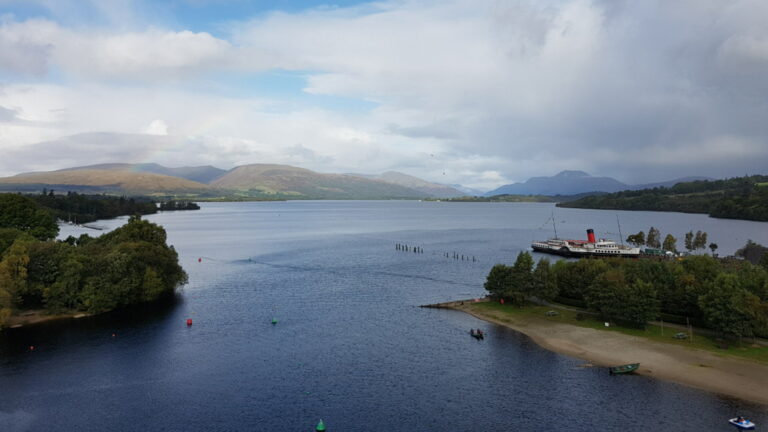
624	369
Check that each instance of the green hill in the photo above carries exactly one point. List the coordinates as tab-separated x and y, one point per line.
428	189
200	174
116	181
298	183
735	198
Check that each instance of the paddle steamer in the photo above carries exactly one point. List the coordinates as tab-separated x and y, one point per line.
585	248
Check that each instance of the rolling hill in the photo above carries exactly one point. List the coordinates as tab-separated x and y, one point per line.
429	189
201	174
302	183
736	198
577	182
96	180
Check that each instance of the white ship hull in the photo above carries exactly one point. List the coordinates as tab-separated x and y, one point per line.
581	248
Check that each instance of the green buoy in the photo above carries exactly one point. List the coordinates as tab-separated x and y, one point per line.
320	427
274	320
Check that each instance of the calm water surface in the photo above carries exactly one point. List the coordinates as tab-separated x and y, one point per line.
351	346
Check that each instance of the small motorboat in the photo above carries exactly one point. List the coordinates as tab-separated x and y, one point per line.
624	369
742	423
476	334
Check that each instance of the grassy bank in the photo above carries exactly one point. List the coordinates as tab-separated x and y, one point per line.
532	314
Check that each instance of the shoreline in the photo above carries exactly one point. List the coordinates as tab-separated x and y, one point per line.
729	376
39	316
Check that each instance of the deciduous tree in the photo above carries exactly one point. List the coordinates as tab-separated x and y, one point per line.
726	306
637	239
689	241
670	243
654	238
544	284
19	212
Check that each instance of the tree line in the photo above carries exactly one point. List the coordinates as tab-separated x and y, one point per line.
79	208
692	242
132	264
735	198
730	296
173	205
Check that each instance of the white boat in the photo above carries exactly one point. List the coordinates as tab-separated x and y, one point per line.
585	248
742	423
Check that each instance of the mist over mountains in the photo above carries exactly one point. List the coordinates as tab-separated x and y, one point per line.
577	182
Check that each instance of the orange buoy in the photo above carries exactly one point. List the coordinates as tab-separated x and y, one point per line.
189	322
114	335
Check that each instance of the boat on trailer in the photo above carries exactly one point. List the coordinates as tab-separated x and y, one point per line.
623	369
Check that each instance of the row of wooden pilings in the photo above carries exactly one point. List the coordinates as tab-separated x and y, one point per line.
456	255
419	250
406	248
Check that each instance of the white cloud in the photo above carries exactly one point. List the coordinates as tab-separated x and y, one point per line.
467	92
157	127
36	47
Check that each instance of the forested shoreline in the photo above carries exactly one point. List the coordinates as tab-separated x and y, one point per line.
129	265
726	295
78	208
737	198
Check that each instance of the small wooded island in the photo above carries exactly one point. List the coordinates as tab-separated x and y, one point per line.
130	265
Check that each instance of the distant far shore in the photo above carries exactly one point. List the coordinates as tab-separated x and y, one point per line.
740	378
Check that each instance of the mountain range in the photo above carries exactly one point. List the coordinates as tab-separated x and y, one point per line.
577	182
247	181
271	181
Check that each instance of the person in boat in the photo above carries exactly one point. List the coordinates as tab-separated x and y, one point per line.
740	419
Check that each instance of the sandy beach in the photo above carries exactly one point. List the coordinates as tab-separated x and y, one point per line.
729	376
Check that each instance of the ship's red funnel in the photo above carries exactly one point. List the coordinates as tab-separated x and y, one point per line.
591	235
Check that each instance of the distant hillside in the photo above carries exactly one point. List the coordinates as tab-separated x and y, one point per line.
201	174
521	198
576	182
467	191
670	183
295	182
106	180
737	198
428	189
564	183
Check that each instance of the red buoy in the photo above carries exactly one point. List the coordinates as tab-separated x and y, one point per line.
199	260
31	347
189	322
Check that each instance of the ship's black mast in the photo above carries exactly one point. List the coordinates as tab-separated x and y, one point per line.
621	237
553	223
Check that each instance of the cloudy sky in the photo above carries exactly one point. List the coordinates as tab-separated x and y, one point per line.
473	92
